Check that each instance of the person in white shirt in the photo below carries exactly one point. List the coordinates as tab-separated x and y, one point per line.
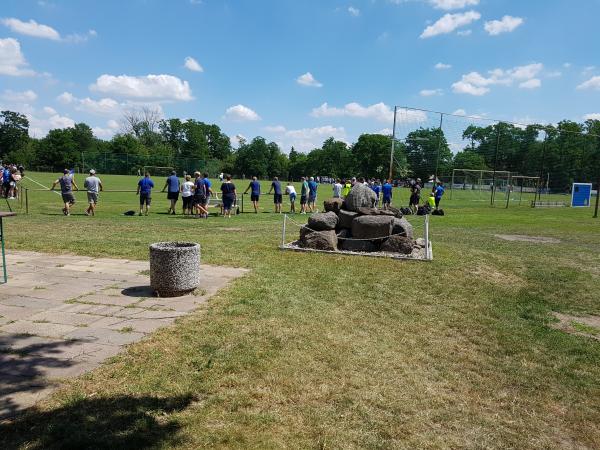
187	194
337	189
291	191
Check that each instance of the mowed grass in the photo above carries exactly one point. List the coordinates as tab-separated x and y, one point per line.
320	351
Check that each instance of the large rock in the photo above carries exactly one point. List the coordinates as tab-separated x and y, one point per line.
323	221
333	204
402	227
344	233
396	211
398	244
319	240
364	211
372	227
357	246
345	218
360	196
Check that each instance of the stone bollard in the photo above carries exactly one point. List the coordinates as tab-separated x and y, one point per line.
174	268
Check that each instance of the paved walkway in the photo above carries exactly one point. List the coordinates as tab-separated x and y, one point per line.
62	315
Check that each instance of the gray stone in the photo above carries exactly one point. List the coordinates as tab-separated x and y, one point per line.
402	227
372	227
396	211
360	196
420	242
398	244
320	240
374	212
323	221
333	204
345	218
358	246
344	233
174	268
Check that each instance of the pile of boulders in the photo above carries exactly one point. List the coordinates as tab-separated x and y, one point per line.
357	225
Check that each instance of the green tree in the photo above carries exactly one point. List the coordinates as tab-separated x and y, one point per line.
469	159
371	155
14	129
427	150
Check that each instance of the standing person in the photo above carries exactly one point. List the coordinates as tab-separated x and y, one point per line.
15	177
187	194
277	194
415	196
172	186
312	194
93	186
5	180
376	187
291	191
144	190
200	196
66	189
303	195
228	196
254	187
346	189
221	177
438	193
337	189
386	190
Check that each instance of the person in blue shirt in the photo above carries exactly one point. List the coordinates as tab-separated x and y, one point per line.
254	188
172	184
5	180
144	190
277	195
438	193
376	187
386	190
312	194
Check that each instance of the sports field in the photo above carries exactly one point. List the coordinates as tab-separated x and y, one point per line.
321	351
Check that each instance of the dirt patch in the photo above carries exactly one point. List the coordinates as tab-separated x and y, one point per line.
588	326
525	238
493	275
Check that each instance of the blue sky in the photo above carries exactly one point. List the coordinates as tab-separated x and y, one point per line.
297	72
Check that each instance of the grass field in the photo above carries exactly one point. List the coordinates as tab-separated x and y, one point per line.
321	351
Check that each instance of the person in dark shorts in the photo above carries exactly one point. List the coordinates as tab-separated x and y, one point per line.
67	184
438	193
200	196
277	194
312	194
386	193
144	190
228	196
172	186
415	196
187	195
93	186
254	188
303	195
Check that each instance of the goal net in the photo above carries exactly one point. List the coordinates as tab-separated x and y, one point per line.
157	171
479	185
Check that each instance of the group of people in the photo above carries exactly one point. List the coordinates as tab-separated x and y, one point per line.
11	176
92	185
308	194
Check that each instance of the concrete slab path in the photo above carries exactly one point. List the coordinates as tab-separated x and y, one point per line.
62	315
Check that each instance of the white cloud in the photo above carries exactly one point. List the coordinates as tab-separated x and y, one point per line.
306	139
241	113
104	106
464	33
554	74
151	87
65	98
504	25
12	61
308	80
474	83
31	28
47	119
592	83
386	132
533	83
106	133
592	116
354	11
378	111
430	92
25	96
442	66
453	4
450	22
78	38
49	110
460	112
193	65
567	65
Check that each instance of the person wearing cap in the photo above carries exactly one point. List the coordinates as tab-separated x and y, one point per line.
67	183
172	184
144	190
93	186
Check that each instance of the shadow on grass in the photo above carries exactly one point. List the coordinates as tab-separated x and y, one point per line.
120	422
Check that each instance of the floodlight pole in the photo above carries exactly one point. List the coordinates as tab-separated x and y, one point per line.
393	144
495	163
437	162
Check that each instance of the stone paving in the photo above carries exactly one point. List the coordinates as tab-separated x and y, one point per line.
62	315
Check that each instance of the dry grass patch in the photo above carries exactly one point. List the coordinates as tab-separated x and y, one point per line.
587	326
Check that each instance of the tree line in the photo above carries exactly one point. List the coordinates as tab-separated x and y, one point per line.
568	151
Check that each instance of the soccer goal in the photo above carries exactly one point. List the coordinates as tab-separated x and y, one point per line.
157	171
477	185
